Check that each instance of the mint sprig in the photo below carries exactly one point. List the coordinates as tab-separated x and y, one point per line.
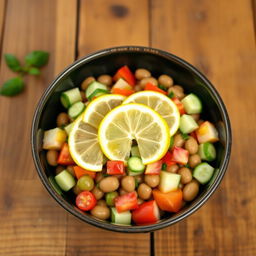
33	61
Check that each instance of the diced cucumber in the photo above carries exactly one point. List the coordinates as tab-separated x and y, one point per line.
70	97
187	124
65	180
123	218
207	151
97	93
168	181
93	86
131	173
76	109
135	164
55	185
68	128
192	104
203	172
135	151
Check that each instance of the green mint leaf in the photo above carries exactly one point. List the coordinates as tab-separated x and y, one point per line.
162	87
164	166
171	95
34	71
37	58
171	142
184	136
12	62
12	87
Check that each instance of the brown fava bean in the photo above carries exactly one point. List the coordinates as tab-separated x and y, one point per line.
138	178
191	146
144	191
105	79
141	73
196	117
137	88
178	140
186	175
101	202
190	191
83	96
122	192
76	190
177	90
172	168
62	119
151	80
99	177
86	82
165	80
97	193
152	180
109	184
140	201
100	212
71	170
194	160
52	157
128	183
59	169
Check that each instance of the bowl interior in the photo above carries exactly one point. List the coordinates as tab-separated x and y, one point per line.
107	62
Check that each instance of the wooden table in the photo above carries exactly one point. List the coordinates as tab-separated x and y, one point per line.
218	37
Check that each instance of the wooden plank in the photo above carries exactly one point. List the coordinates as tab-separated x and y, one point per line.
218	38
110	23
31	222
2	18
105	24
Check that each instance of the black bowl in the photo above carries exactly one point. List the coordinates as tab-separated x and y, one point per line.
107	62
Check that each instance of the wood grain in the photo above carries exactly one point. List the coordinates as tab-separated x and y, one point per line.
2	19
107	23
31	222
104	24
218	38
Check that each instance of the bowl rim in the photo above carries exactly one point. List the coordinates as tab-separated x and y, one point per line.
106	225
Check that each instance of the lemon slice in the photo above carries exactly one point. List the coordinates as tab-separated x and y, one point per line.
130	122
84	146
98	108
161	104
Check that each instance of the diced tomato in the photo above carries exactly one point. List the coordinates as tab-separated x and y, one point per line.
167	159
152	87
115	167
154	168
146	213
125	73
207	133
79	171
85	201
64	156
126	202
179	105
125	92
170	202
180	155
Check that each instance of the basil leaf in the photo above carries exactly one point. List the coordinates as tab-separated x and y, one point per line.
171	95
37	58
12	87
34	71
12	62
162	87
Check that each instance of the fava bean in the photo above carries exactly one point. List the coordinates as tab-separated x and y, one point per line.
186	175
128	183
97	193
62	119
100	212
194	160
165	80
191	145
105	79
172	168
109	184
144	191
52	157
86	82
152	180
141	73
190	190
